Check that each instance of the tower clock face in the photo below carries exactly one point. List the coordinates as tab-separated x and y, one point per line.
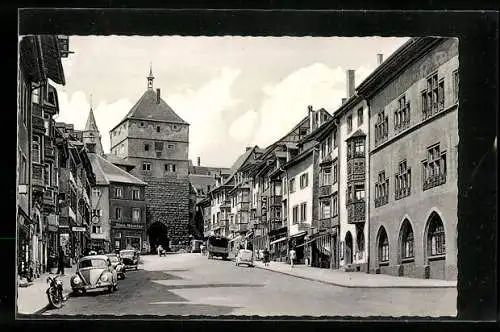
95	220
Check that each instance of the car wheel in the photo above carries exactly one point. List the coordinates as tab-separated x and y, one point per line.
115	287
110	289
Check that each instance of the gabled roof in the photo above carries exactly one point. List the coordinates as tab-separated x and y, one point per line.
106	173
147	108
358	133
298	158
241	160
114	159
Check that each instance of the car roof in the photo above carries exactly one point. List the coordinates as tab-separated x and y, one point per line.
104	257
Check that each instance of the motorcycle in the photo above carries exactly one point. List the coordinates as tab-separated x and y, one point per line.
55	291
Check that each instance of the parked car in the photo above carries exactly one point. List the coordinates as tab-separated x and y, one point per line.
118	265
94	272
130	258
244	256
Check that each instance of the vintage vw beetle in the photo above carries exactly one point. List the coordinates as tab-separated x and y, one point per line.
117	264
94	273
130	258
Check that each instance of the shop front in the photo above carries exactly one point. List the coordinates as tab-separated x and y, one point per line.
128	236
296	242
24	235
278	248
52	240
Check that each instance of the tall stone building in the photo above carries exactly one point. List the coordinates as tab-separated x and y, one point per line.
156	140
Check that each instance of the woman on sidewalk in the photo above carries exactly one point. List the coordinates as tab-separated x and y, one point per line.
292	256
265	255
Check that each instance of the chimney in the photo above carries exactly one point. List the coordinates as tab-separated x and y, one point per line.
350	83
248	148
344	100
380	59
157	96
198	161
312	119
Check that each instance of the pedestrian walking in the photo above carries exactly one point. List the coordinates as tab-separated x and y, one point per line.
292	256
60	262
265	255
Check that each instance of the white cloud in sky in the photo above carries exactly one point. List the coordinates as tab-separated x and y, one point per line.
242	128
286	102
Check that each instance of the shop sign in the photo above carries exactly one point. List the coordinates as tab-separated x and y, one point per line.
78	229
128	225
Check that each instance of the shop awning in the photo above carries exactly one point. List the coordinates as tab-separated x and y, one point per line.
236	238
298	234
278	240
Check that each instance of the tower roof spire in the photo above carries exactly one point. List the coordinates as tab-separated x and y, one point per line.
150	77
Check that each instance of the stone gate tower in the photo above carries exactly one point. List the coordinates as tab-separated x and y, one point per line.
156	140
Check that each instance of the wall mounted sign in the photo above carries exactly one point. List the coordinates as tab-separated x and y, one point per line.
78	229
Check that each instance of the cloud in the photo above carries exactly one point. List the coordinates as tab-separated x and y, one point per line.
242	128
285	103
75	110
203	108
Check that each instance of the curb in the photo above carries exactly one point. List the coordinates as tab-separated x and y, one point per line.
66	296
351	286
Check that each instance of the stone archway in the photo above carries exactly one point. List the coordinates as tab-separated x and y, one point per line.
158	234
435	247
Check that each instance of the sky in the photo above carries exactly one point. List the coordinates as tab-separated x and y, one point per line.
234	91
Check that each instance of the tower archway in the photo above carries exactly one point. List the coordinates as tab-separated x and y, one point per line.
158	235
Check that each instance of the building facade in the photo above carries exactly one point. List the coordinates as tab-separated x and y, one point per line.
76	177
156	140
413	100
37	171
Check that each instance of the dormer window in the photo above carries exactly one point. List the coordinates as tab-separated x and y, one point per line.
157	129
142	124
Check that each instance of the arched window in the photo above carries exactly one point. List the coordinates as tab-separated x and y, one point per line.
383	246
435	236
407	240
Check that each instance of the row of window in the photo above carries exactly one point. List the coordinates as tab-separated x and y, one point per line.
432	102
302	217
303	182
435	241
146	166
360	119
433	174
158	146
143	125
136	214
327	178
329	209
118	193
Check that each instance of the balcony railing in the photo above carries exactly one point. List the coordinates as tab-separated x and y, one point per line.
50	152
244	206
356	170
226	204
326	223
402	192
434	181
382	200
325	190
275	200
38	177
49	197
356	212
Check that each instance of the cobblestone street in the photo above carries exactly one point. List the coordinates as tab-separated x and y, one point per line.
190	284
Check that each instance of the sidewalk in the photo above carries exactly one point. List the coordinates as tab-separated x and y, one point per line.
33	299
353	279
